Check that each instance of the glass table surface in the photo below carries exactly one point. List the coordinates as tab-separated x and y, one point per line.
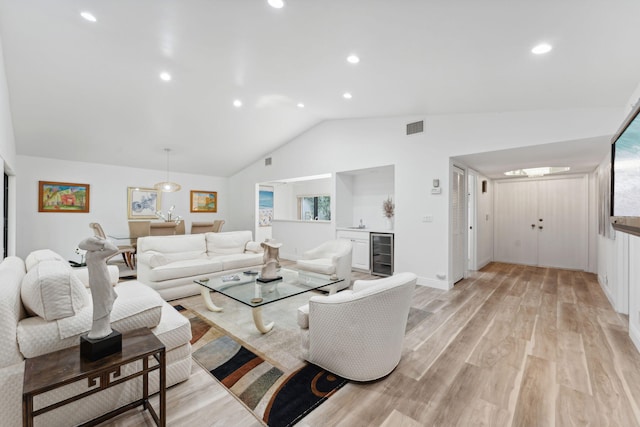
255	294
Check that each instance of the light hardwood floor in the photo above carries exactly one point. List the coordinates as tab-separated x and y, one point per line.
509	346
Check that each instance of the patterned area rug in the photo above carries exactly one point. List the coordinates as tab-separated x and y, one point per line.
280	399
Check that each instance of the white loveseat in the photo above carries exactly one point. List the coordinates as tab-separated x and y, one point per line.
170	264
24	335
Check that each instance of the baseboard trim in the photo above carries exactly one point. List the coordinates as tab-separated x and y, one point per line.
433	283
607	292
483	264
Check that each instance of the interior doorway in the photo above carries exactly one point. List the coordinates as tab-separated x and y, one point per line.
458	224
472	229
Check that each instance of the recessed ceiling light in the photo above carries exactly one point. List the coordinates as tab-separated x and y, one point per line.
353	59
165	76
541	48
88	16
300	105
237	103
276	4
347	95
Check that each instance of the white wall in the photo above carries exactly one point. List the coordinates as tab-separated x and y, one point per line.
619	260
634	288
484	222
342	145
299	236
7	158
62	232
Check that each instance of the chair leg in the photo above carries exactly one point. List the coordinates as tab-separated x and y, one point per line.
127	260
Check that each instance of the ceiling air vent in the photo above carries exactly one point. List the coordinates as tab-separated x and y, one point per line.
267	161
416	127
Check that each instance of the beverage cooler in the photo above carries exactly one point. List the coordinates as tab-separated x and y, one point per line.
381	254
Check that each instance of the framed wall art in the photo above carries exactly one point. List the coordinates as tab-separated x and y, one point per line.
265	206
143	203
204	201
63	197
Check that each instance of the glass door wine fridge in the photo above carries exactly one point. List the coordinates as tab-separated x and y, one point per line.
382	254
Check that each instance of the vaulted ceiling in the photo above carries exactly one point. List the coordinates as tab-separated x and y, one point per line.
91	91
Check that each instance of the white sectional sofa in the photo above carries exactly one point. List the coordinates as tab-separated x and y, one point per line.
34	321
170	264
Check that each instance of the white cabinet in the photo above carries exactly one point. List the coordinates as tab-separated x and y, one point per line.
360	242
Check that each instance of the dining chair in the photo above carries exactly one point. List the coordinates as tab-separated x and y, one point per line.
162	228
201	227
138	229
180	228
127	251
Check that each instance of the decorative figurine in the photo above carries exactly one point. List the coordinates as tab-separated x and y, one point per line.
271	261
101	340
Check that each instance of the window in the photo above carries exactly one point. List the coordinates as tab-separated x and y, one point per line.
316	208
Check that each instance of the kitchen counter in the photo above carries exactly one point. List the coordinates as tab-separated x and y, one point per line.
365	230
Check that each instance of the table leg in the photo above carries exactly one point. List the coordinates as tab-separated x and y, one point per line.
163	388
257	319
27	410
206	294
145	383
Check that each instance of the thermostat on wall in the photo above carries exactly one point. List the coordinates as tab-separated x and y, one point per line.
436	190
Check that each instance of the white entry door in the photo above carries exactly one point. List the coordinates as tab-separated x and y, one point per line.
515	226
542	222
562	223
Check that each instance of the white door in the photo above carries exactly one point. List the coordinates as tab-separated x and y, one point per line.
472	180
561	225
515	225
458	224
542	222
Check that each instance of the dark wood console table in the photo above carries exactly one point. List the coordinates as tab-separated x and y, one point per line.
57	369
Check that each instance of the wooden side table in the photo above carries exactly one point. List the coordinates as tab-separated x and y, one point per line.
57	369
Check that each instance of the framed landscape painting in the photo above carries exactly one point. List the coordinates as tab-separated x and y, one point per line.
63	197
143	203
265	206
204	201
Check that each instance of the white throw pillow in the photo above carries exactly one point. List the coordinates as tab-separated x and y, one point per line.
52	291
40	255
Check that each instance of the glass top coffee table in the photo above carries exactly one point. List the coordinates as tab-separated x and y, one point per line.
255	294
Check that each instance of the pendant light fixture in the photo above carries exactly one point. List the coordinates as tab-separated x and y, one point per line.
167	186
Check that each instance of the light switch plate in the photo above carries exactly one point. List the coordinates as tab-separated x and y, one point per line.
436	190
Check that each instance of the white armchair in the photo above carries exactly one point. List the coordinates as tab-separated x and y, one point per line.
332	258
358	333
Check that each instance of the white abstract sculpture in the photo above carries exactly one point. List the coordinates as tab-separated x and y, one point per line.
271	259
99	250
